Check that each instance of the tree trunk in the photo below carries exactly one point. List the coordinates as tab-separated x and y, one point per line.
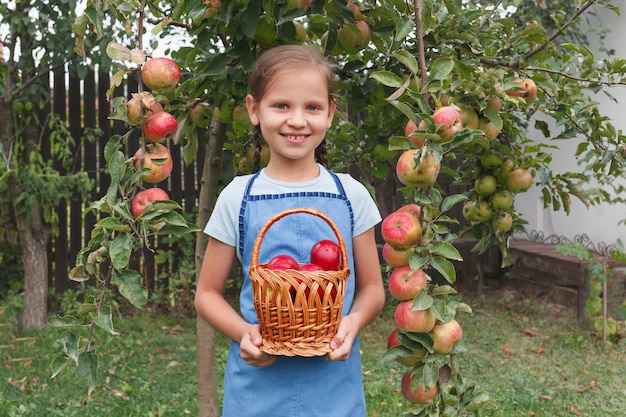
34	236
207	384
33	232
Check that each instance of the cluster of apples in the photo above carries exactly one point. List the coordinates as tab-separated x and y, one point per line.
402	231
491	200
416	168
325	255
143	110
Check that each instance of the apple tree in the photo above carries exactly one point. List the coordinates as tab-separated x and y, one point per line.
448	88
31	187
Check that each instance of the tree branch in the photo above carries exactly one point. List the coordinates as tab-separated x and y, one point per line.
419	27
562	29
579	79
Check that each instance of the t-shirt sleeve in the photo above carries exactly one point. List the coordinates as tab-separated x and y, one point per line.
364	208
223	224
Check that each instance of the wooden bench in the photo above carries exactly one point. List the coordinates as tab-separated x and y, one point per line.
541	264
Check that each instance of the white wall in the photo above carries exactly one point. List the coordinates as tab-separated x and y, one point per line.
599	222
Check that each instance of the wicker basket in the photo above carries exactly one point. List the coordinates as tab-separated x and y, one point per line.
295	320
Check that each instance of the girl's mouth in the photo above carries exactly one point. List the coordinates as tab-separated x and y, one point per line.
295	138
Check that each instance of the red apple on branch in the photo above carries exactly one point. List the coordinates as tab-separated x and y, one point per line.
415	138
446	336
420	394
404	283
140	106
408	320
159	127
146	197
160	74
157	159
401	229
519	180
415	171
396	257
214	7
450	120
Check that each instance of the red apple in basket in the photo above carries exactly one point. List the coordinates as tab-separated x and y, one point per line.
326	254
320	291
282	262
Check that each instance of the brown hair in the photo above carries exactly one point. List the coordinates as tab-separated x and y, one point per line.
288	58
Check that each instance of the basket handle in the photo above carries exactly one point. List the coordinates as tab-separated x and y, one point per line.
315	212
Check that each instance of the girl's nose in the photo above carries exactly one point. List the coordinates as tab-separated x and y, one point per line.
297	118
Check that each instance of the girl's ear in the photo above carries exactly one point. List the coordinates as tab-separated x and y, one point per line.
252	110
331	113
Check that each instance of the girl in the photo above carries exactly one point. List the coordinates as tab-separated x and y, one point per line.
291	104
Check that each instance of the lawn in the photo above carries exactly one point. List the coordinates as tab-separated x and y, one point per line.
530	355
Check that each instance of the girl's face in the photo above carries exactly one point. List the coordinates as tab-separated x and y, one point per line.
294	113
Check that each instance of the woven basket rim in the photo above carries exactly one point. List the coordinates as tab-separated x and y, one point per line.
254	262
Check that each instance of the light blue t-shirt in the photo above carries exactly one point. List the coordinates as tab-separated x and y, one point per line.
223	224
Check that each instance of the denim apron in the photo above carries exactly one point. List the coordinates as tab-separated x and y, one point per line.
293	386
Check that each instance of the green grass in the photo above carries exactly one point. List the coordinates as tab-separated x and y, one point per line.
531	356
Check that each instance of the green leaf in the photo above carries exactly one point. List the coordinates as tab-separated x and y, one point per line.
422	301
117	166
88	368
78	274
445	268
118	51
104	320
441	68
65	322
404	27
407	59
113	224
446	250
58	364
451	201
404	108
443	290
129	284
120	251
69	341
387	78
424	339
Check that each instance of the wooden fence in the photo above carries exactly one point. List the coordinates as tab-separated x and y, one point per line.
83	105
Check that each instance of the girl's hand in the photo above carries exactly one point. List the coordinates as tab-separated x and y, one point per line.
249	348
343	340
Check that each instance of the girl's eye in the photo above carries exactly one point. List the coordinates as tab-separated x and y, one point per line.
281	106
313	107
